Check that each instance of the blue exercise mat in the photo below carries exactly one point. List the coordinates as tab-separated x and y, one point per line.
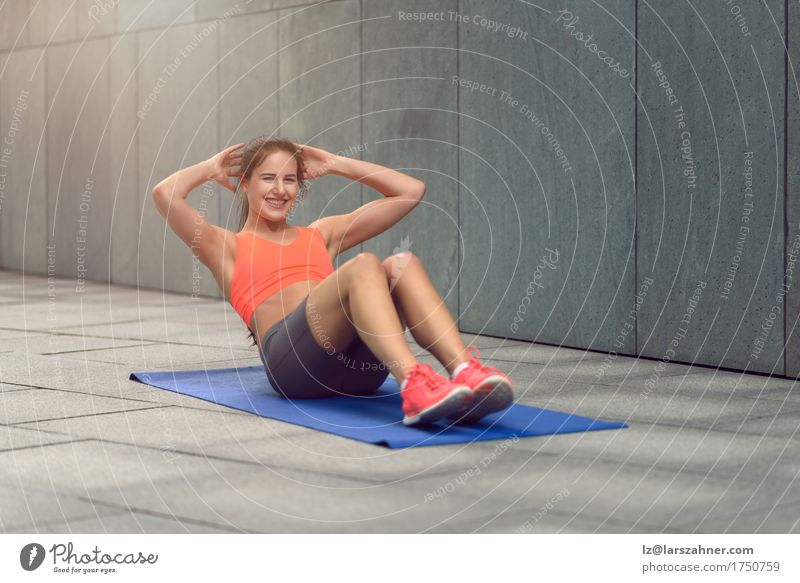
376	419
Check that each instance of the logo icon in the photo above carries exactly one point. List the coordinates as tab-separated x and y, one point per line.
31	556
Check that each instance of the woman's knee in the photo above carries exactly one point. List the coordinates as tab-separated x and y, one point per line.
367	259
365	263
396	264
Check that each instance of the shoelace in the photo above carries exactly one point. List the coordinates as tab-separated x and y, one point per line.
426	372
475	360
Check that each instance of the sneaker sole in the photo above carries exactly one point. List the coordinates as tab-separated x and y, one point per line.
455	401
494	394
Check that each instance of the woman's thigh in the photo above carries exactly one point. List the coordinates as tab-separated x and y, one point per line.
298	367
360	371
328	303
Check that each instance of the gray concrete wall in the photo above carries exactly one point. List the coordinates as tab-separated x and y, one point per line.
591	202
706	235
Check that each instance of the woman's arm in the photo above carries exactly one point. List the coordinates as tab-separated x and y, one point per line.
385	180
185	180
401	194
189	224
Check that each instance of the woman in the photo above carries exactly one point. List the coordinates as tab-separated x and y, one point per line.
323	331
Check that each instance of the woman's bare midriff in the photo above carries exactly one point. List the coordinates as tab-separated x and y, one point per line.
275	308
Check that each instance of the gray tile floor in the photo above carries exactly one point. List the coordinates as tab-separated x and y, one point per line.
83	449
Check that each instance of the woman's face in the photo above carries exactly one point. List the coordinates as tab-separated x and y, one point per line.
273	186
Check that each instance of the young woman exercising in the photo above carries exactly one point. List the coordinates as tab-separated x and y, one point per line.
322	331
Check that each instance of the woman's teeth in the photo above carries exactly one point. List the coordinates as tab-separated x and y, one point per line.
276	202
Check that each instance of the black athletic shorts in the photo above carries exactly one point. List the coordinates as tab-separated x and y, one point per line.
299	368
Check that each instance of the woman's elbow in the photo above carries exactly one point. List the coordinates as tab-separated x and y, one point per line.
420	189
160	200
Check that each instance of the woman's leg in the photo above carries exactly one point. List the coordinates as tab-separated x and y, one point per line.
424	310
355	300
298	367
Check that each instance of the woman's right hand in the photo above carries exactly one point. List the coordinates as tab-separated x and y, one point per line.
224	165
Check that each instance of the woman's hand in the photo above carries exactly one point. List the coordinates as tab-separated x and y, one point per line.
317	161
224	165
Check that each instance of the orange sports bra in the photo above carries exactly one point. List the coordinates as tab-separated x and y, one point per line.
262	267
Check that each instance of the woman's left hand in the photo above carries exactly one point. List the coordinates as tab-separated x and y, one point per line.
317	161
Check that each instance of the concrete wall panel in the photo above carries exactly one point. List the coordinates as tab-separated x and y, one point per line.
213	9
138	14
124	152
96	17
177	109
320	97
792	268
249	90
23	156
13	24
410	123
547	145
80	195
52	21
712	241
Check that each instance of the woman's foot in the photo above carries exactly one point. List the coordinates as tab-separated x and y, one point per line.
428	396
492	390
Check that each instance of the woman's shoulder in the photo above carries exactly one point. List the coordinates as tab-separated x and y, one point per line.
225	235
324	226
226	242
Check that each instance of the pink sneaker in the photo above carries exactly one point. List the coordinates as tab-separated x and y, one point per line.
492	390
427	396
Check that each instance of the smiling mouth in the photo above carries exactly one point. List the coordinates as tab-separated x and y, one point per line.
276	202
